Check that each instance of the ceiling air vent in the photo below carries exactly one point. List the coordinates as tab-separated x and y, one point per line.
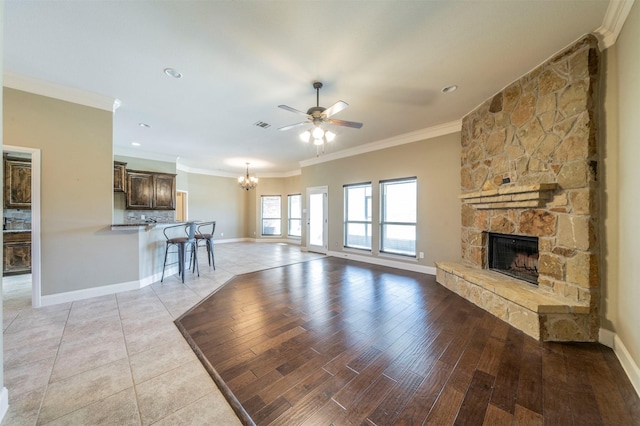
262	124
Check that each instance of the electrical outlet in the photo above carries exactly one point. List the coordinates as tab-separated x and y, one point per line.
222	234
421	255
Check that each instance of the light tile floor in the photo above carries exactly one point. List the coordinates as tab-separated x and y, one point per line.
119	359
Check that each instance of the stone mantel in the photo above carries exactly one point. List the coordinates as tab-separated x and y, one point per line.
512	196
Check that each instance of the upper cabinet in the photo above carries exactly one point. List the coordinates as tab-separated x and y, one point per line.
150	190
119	176
17	183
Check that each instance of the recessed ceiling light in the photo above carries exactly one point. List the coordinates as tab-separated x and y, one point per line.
144	125
449	89
135	143
173	73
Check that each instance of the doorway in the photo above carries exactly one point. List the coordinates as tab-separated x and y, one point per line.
317	222
181	206
35	279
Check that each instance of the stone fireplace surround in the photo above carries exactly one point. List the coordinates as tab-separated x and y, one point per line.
528	167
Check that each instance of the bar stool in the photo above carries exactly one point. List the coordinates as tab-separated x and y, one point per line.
205	233
182	244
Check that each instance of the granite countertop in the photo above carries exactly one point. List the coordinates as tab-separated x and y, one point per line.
141	224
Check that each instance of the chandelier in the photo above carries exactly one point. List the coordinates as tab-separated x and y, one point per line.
247	182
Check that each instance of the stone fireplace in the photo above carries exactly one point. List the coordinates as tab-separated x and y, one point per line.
529	168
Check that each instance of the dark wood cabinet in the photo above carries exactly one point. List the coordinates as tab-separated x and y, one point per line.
150	190
119	176
17	183
164	187
16	253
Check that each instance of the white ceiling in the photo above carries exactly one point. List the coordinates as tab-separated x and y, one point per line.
240	59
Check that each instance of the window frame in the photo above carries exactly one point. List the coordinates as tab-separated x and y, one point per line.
368	207
263	218
290	217
383	222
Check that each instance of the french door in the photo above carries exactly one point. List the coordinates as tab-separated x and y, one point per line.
317	222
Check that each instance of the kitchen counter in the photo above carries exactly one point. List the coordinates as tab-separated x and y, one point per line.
12	231
142	225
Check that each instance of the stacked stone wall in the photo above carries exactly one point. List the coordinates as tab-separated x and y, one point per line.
540	130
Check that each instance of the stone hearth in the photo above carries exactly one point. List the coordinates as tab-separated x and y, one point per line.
528	167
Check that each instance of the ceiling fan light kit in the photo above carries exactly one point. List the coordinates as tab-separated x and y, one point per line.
316	117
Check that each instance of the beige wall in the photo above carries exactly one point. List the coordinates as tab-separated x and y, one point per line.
76	191
436	164
271	186
220	199
624	123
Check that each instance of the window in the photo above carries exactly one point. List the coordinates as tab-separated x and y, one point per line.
357	216
295	216
398	216
271	215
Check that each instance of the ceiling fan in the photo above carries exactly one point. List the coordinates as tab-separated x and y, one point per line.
317	115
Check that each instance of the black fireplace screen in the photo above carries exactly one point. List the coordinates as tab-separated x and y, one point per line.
514	255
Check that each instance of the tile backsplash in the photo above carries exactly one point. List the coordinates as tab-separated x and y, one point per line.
16	219
161	216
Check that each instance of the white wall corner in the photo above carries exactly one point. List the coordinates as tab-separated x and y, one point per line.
611	339
628	364
4	402
614	18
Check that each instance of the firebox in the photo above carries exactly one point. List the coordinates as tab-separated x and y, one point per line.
514	255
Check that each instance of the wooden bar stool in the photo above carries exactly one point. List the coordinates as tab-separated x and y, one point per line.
205	233
182	244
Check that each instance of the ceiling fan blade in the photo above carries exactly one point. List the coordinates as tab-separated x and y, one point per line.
288	108
335	108
291	126
345	123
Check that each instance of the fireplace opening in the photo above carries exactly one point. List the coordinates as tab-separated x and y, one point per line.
514	255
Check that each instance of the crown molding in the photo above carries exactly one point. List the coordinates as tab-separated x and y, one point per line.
208	172
145	155
220	173
25	83
418	135
614	18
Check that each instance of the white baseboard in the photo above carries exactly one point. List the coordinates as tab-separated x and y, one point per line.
4	402
611	339
431	270
87	293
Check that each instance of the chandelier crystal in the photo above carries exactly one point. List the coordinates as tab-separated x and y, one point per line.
247	182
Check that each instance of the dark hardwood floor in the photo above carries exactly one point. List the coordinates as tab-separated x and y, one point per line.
337	342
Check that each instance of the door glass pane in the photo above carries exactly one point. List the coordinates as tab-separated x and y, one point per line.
316	220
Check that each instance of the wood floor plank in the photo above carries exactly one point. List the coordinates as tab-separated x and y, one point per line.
314	397
390	407
530	384
419	405
333	341
474	406
524	416
445	410
366	402
505	391
497	417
